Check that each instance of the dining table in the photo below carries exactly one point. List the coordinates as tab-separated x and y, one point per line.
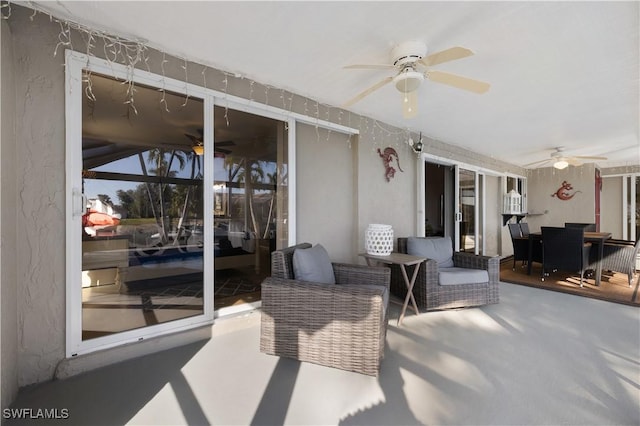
597	238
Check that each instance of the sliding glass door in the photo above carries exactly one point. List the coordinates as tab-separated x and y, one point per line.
137	239
250	203
466	215
454	199
174	204
141	236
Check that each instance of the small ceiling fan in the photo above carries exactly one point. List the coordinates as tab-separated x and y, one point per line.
561	160
198	145
413	65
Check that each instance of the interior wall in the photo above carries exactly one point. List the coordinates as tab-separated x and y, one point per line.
611	206
8	281
325	184
546	209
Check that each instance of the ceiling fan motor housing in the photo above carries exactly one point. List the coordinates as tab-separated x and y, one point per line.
408	53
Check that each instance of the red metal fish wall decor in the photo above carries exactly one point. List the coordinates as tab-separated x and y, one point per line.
387	157
563	193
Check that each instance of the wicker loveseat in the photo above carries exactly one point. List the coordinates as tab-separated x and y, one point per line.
340	325
431	294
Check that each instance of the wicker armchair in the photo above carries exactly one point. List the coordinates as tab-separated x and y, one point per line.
620	256
431	295
342	326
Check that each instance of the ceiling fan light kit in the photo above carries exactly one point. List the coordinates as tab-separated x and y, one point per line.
198	149
561	164
408	80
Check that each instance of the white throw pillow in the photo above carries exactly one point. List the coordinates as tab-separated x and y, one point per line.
439	249
313	265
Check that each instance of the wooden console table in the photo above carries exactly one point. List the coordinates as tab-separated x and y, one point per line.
403	260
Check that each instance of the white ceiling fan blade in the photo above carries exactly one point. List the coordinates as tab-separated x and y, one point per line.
410	104
536	163
572	161
447	55
582	157
458	81
367	92
370	67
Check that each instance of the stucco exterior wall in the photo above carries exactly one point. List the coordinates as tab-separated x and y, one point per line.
493	220
381	202
40	178
611	201
325	211
8	281
548	210
352	179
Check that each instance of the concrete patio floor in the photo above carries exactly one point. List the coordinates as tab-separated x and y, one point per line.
538	357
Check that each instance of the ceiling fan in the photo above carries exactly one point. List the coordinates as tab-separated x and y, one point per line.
198	145
413	65
561	160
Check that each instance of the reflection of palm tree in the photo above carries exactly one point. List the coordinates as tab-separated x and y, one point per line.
162	168
252	169
254	176
195	163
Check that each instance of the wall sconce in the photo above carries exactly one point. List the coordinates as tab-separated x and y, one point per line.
416	146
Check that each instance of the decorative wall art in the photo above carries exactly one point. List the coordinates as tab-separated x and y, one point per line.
564	192
387	157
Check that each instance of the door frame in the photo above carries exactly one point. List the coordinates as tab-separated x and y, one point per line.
480	207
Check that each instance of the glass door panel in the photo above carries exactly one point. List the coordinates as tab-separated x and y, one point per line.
142	189
467	210
250	202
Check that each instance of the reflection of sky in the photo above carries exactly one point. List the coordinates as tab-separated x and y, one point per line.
131	165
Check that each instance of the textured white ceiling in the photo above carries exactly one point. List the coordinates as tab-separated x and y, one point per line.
561	73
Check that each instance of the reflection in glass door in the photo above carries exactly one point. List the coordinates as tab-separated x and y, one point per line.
250	203
466	215
142	227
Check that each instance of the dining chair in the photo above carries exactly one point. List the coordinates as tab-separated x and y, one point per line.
520	244
564	249
588	227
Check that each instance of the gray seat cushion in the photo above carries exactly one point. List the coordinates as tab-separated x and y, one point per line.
456	276
313	265
439	249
